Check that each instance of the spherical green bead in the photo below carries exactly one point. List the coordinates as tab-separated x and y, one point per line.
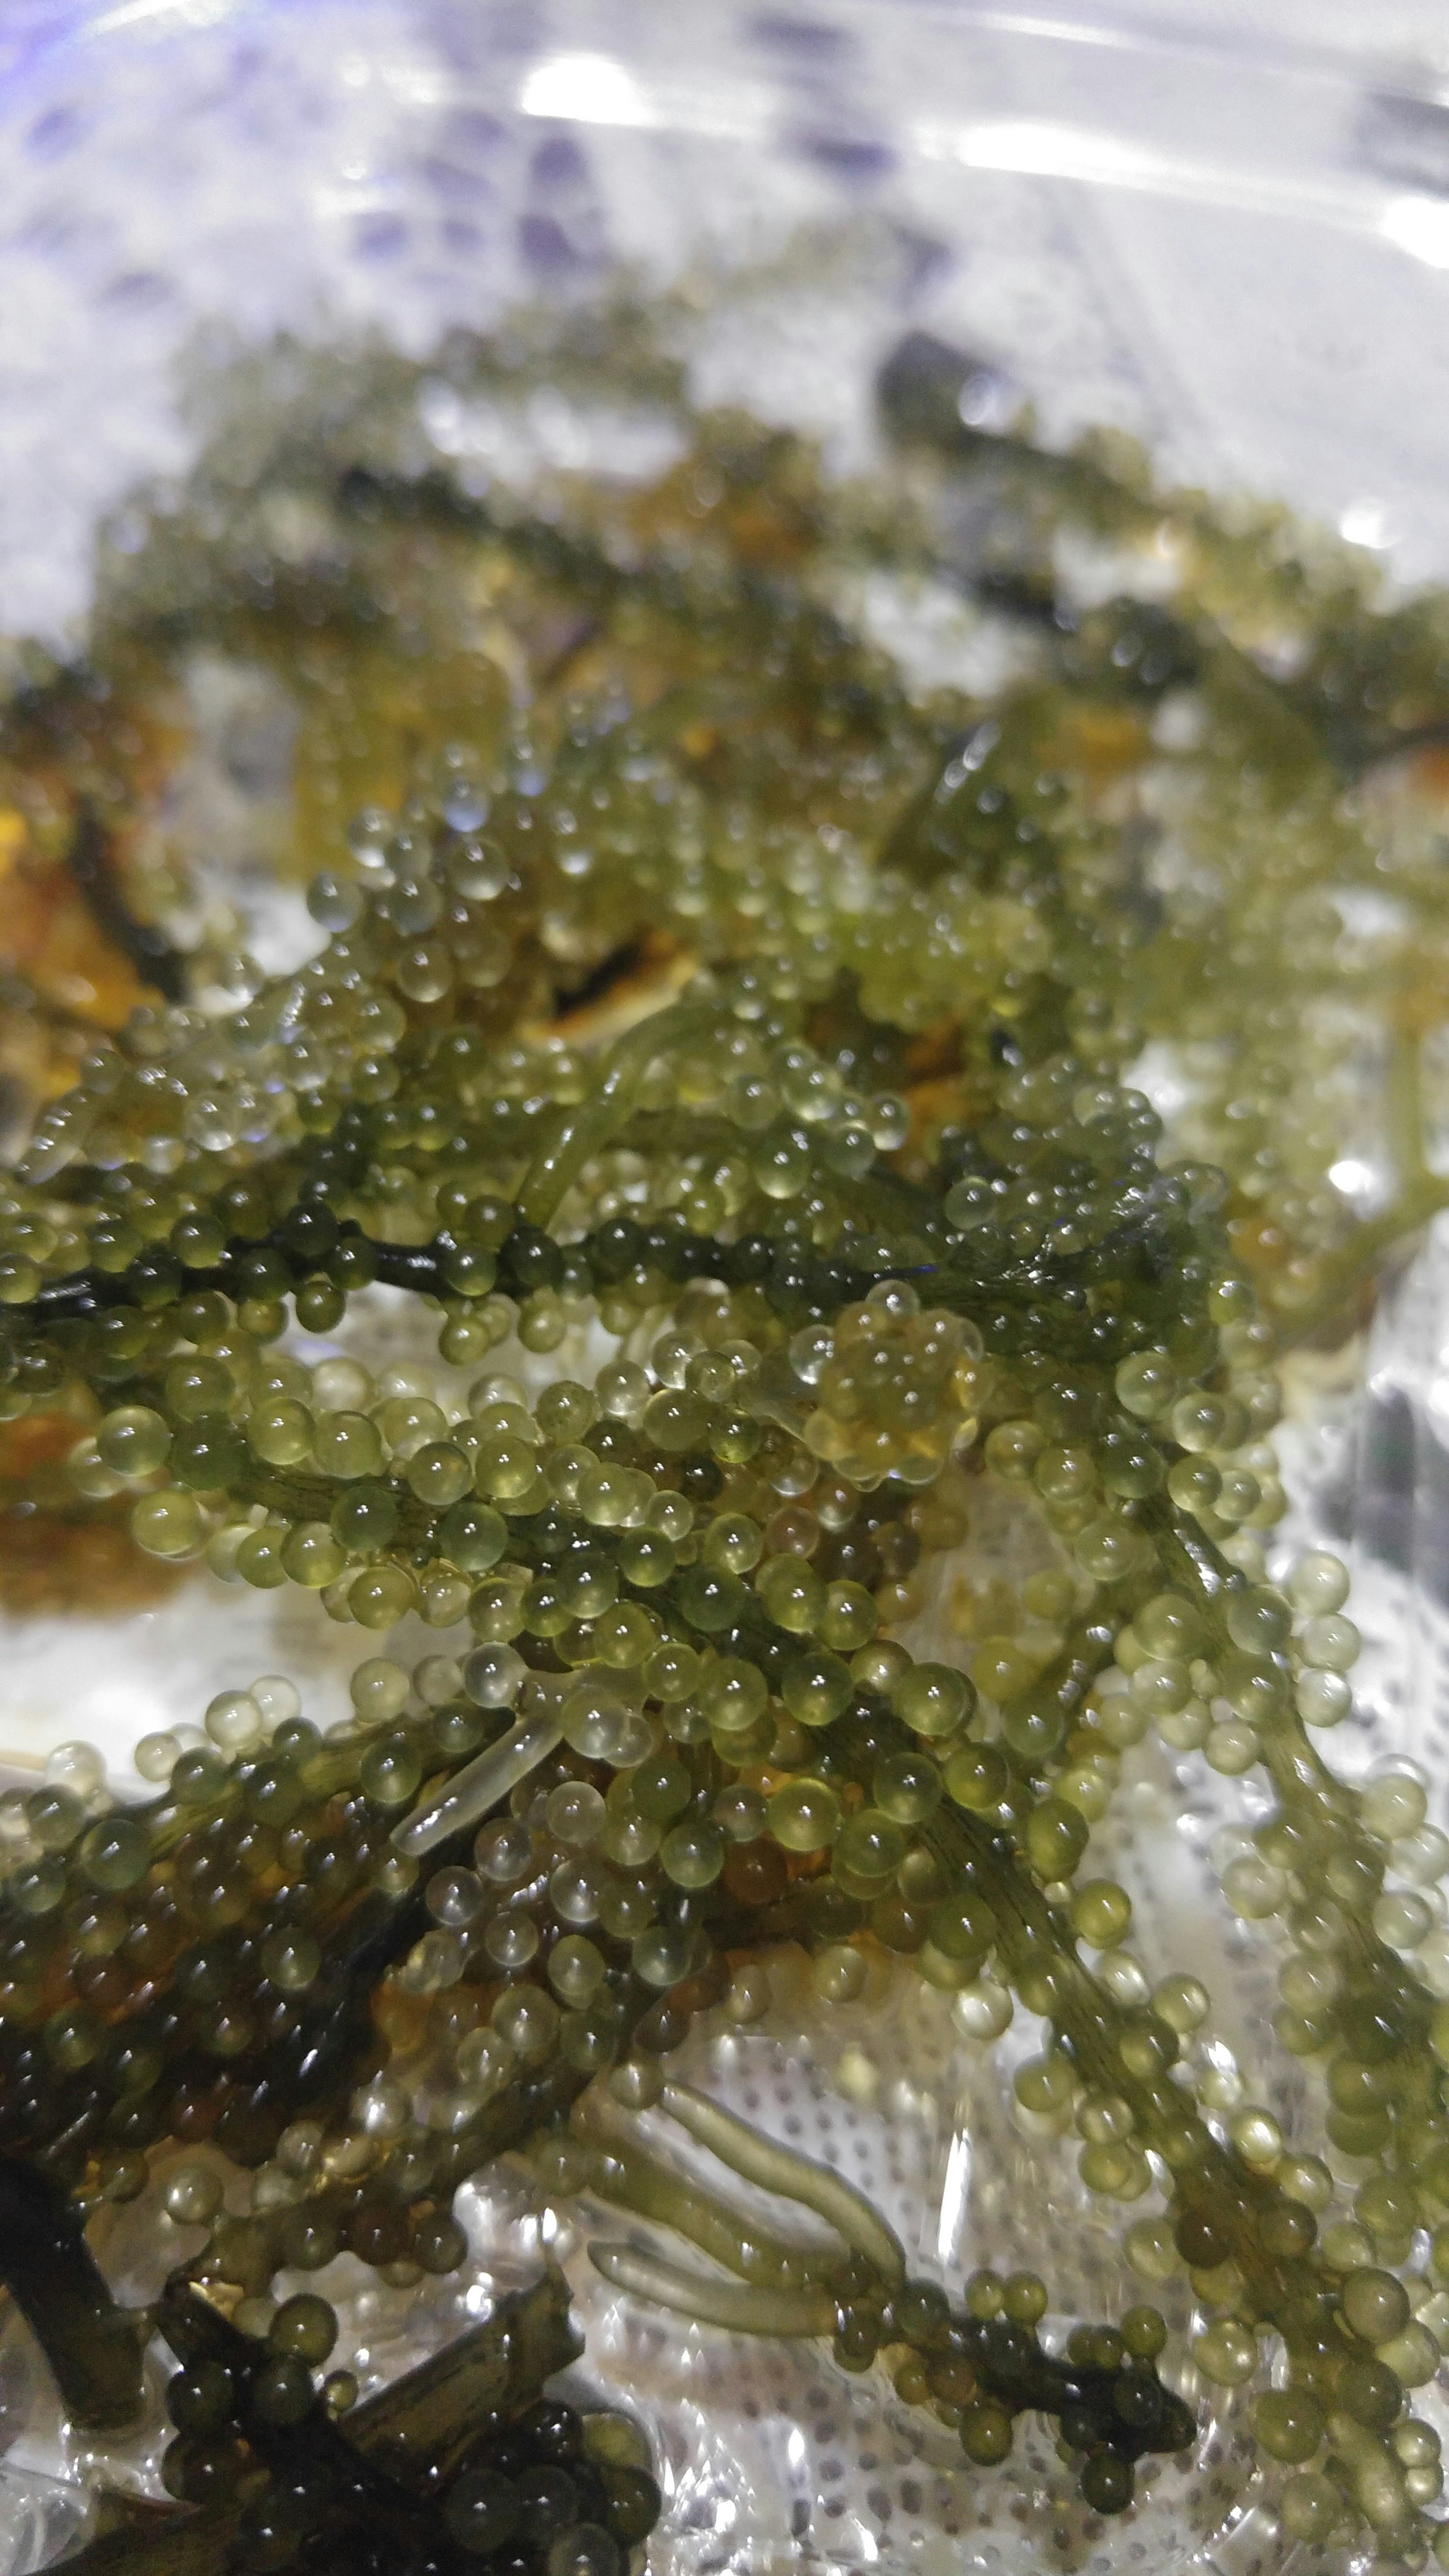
934	1699
381	1595
312	1556
198	1387
292	1960
817	1689
365	1519
281	2392
1376	2305
280	1432
168	1525
870	1844
1289	2425
907	1787
1101	1913
575	1970
692	1854
304	2327
439	2244
259	1558
1310	2506
347	1445
790	1593
1147	1384
839	1974
962	1927
662	1787
134	1440
1056	1837
1258	1620
804	1815
390	1771
986	2433
472	1536
116	1854
438	1474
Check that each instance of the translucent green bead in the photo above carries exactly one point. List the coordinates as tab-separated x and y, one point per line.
986	2433
1194	1484
907	1787
849	1619
528	2020
933	1699
312	1556
134	1441
1170	1628
804	1815
870	1844
292	1960
192	2195
1056	1837
364	1520
1323	1699
168	1525
1330	1643
347	1445
817	1689
839	1974
259	1558
1101	1913
692	1854
976	1777
379	1690
1376	2305
381	1596
1024	2298
732	1544
1393	1805
963	1927
439	1474
1258	1620
116	1854
791	1594
575	1970
472	1536
72	2039
304	2326
1318	1584
1309	2506
731	1693
390	1771
1146	1384
662	1787
20	1280
280	1432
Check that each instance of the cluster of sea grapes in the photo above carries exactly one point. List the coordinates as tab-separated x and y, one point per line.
771	1025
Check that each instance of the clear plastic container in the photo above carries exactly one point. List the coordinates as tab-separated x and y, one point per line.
1235	244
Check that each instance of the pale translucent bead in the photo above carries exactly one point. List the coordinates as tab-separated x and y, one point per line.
78	1767
234	1722
341	1386
278	1699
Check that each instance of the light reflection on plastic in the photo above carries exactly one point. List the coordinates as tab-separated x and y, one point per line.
134	13
586	89
1038	149
1419	225
952	2215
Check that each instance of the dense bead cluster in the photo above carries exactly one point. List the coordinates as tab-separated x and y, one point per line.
737	1056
